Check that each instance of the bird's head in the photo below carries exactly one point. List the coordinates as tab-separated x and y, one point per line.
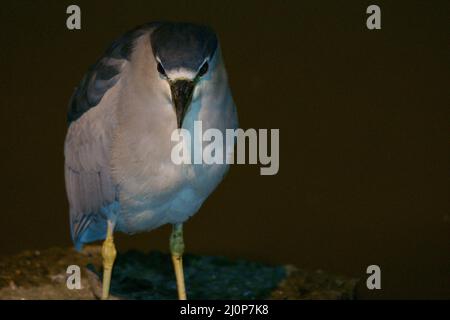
183	53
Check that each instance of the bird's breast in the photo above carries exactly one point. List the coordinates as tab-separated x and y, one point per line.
153	189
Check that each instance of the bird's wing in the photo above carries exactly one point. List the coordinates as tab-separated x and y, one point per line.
91	191
89	183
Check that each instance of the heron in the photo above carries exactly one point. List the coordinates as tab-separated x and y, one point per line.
155	79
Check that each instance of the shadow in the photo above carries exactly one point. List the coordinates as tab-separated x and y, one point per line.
142	276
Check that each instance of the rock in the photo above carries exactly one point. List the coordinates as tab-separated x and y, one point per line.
137	275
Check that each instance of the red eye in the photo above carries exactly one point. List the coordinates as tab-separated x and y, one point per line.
203	69
161	70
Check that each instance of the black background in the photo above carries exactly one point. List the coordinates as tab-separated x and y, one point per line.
363	119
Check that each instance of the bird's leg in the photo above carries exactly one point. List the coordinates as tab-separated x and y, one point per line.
177	249
109	255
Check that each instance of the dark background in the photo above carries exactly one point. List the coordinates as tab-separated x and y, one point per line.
363	119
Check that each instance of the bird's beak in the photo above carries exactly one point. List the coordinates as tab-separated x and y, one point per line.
181	96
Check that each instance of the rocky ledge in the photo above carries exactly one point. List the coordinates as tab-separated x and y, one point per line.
137	275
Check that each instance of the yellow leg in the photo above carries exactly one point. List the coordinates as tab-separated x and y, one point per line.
109	255
177	249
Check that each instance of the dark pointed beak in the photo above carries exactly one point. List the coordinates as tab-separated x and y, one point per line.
181	96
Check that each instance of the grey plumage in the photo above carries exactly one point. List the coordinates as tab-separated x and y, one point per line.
117	149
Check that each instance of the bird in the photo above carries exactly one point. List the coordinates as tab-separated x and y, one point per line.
155	79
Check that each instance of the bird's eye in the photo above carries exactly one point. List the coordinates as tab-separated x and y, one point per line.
161	70
203	69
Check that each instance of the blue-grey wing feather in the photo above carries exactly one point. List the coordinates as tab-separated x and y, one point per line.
103	75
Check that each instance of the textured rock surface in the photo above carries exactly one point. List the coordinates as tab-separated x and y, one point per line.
42	275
